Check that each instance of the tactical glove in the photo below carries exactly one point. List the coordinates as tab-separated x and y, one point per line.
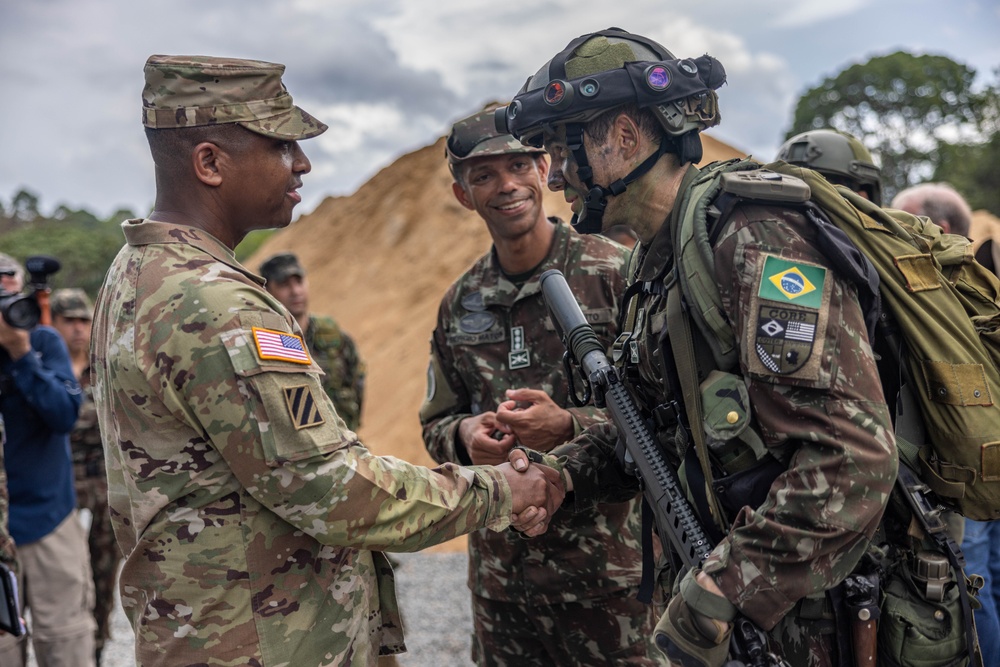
689	638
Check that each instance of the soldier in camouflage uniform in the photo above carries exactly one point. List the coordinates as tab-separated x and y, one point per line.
621	116
496	380
332	349
72	315
9	271
251	519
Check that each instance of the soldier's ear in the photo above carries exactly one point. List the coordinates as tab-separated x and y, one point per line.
205	159
462	196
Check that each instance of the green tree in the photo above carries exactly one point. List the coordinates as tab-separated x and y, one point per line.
902	107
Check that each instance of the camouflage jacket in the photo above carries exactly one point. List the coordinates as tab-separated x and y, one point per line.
8	554
251	518
817	407
492	336
85	438
336	354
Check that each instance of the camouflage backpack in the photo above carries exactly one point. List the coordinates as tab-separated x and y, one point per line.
939	321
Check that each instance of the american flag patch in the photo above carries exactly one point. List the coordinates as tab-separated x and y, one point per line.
280	345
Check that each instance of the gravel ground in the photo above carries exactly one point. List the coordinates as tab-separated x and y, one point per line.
436	614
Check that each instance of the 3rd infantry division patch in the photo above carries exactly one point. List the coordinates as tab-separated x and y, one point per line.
302	407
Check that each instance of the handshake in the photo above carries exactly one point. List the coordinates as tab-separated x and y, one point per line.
537	492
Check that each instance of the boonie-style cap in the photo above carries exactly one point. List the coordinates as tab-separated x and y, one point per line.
190	91
71	302
281	267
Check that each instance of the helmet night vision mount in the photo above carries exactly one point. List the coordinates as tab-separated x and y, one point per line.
607	69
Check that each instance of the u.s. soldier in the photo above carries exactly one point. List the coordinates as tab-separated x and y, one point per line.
496	380
621	116
252	521
331	348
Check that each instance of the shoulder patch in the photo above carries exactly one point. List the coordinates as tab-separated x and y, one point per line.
766	185
302	407
280	345
787	281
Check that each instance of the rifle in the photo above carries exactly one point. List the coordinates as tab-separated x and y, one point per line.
676	523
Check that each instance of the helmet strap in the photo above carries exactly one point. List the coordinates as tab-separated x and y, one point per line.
590	221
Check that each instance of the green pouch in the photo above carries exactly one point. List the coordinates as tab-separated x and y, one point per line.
916	632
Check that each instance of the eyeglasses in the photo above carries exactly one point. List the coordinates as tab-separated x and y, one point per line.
8	274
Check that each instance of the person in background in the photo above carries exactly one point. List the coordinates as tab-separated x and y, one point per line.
330	346
938	201
39	402
72	316
840	157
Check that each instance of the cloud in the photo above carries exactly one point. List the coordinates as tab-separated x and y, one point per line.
802	13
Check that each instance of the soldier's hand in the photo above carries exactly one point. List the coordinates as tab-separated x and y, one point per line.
531	416
690	638
477	434
537	492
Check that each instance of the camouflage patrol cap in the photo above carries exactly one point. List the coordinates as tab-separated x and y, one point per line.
71	303
190	91
279	268
477	136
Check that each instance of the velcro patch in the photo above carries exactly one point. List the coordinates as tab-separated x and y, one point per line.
302	407
280	345
786	281
785	337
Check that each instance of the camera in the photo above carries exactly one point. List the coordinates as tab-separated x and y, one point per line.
25	311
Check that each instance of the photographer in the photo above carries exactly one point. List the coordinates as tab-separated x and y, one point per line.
39	401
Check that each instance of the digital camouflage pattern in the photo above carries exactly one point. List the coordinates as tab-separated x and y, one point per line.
337	355
816	405
92	494
190	91
251	518
486	327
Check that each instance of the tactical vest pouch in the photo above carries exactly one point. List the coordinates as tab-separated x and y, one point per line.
915	631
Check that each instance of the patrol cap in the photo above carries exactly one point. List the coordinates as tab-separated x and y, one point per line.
190	91
71	302
476	136
281	267
9	265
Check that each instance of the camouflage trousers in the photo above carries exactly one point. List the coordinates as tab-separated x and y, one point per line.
613	630
92	494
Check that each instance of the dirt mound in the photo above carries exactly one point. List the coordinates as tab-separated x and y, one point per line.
379	261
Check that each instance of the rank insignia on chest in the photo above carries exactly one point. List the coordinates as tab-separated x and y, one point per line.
302	407
519	357
280	345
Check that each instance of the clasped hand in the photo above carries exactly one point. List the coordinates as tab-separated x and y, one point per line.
537	492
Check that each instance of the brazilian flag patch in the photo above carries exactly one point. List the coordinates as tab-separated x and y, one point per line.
302	407
787	281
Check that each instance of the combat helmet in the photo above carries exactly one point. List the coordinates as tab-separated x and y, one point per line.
476	135
838	156
599	71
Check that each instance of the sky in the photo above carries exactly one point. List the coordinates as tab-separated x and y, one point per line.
389	76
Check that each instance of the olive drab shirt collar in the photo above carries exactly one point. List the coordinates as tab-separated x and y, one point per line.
656	256
145	232
498	290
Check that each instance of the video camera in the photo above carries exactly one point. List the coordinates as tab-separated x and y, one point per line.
27	310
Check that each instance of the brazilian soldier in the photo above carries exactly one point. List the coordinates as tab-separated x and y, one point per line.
495	380
332	349
840	157
252	521
72	316
10	283
805	435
